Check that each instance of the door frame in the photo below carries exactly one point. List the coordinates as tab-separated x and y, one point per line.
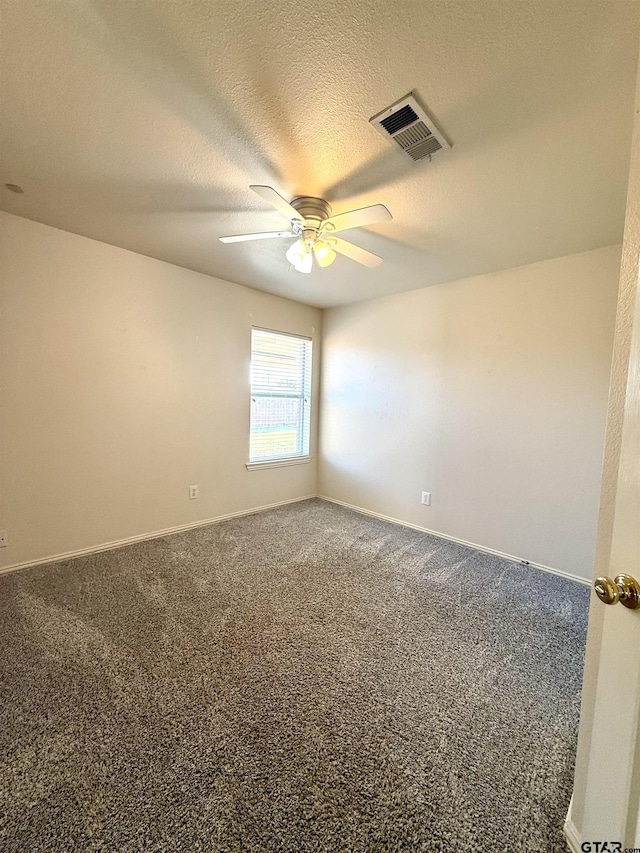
602	670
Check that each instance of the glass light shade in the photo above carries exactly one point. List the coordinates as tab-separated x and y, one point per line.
306	264
324	254
296	253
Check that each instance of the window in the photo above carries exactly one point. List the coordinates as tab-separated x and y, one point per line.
280	396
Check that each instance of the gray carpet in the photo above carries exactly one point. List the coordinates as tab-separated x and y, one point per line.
305	679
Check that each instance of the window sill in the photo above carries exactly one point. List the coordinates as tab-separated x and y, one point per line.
278	463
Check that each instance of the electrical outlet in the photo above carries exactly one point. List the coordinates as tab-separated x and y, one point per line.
193	492
3	538
426	498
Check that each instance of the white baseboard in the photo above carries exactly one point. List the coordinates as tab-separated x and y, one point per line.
571	835
143	537
180	528
473	545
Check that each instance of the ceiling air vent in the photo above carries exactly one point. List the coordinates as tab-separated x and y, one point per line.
407	125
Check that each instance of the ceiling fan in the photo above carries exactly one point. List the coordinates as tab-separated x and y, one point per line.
315	229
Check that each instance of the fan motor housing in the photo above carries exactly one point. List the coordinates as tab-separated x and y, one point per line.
310	207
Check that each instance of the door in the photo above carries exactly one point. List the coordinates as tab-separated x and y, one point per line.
606	794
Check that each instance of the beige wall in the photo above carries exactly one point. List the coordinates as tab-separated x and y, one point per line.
125	380
489	392
122	384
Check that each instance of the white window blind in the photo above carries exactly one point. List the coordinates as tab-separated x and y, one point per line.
280	396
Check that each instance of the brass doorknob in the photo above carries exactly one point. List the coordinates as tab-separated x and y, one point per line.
624	589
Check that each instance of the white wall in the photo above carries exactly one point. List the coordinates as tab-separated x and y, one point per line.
125	380
489	392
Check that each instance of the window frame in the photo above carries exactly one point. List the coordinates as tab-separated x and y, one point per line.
306	398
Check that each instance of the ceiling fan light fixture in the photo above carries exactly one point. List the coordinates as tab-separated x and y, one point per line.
306	264
325	255
314	226
296	252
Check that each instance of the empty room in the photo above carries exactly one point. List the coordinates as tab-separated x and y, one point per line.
319	426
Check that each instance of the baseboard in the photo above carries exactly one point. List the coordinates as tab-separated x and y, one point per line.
473	545
143	537
180	528
571	836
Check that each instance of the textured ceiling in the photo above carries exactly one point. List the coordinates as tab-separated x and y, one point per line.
142	123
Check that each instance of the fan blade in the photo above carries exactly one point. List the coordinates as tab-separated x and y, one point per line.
358	218
263	235
362	256
275	199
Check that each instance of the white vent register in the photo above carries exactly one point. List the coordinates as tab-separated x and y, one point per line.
407	125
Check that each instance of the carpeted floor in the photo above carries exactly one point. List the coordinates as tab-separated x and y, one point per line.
305	679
